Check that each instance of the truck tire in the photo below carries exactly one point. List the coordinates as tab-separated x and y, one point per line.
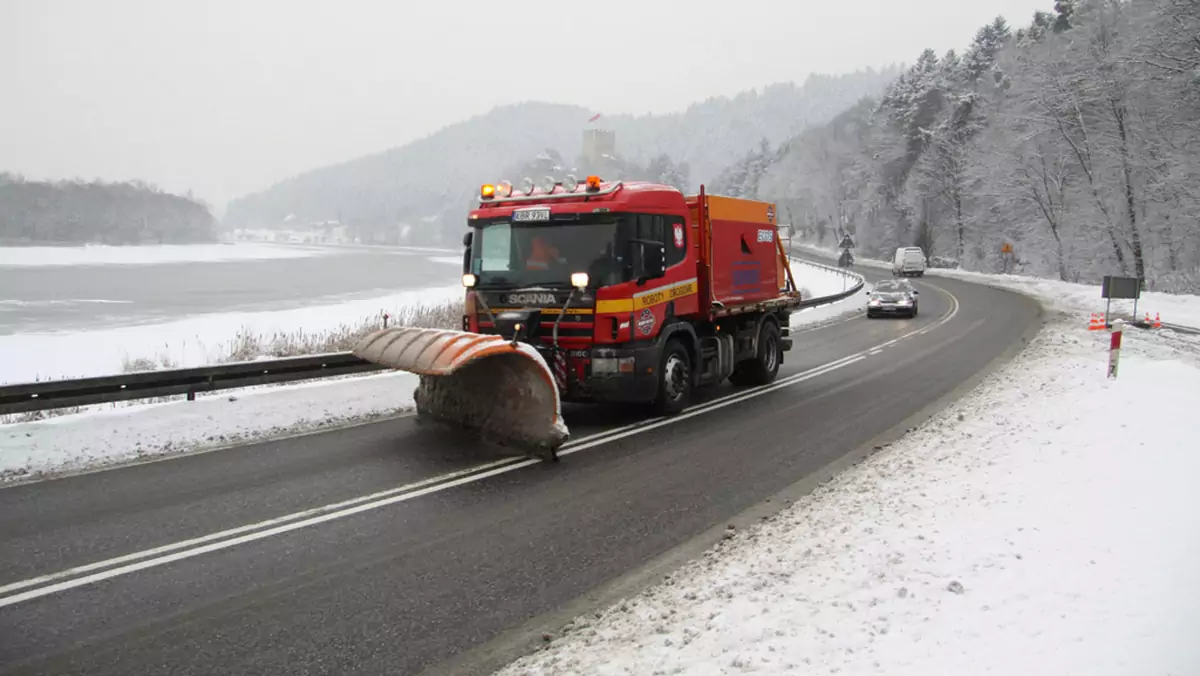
763	368
674	379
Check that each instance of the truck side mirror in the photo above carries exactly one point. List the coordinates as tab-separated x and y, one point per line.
649	260
467	239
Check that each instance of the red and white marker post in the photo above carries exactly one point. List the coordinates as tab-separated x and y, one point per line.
1114	348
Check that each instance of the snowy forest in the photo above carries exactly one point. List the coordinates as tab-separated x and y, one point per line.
1074	139
75	212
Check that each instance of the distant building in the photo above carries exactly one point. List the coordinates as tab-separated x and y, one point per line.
598	143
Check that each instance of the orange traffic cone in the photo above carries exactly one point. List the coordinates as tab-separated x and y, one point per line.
1096	323
1157	321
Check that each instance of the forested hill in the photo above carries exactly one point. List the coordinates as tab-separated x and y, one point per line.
72	212
1074	137
425	187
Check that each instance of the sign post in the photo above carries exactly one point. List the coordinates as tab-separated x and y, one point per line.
1114	349
1120	288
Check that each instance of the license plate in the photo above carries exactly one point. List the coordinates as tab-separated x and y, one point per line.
528	215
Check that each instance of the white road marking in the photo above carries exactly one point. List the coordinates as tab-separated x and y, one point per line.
185	549
224	544
792	380
250	527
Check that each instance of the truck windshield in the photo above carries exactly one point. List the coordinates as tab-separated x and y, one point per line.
506	254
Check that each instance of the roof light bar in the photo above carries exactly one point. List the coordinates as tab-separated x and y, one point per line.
589	192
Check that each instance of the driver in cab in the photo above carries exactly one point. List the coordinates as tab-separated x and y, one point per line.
542	254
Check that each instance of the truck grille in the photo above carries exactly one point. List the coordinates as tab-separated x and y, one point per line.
572	326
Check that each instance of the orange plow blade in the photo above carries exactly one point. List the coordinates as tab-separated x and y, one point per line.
483	383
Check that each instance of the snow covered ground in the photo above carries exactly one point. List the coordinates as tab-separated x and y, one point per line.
32	256
820	281
108	434
187	342
1171	308
1044	524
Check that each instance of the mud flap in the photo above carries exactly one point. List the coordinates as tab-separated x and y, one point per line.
483	383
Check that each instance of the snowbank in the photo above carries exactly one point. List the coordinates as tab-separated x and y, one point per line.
31	256
188	342
830	252
1083	299
1043	524
821	281
112	435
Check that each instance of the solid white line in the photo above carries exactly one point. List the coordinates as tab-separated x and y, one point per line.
747	395
182	544
392	496
613	431
224	544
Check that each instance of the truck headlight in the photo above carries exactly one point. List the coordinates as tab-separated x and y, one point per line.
579	280
468	280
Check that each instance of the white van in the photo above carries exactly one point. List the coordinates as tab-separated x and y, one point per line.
909	260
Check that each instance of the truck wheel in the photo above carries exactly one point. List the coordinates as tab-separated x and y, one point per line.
763	368
674	379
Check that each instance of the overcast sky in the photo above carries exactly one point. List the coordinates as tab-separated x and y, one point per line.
225	97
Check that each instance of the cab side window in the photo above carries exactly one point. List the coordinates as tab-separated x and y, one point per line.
656	228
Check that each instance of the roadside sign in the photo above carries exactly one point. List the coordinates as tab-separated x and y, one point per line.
1007	248
847	243
1120	287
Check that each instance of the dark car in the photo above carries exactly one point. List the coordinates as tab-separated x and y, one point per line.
892	297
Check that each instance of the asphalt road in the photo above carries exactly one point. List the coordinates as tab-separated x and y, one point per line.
423	572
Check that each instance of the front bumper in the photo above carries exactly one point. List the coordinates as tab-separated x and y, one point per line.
622	374
890	309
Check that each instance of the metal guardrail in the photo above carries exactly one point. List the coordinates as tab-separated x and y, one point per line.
52	394
860	282
1191	331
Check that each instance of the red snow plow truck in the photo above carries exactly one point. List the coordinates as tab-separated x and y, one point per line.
599	291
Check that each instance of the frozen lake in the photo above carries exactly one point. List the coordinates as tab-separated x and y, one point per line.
69	289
